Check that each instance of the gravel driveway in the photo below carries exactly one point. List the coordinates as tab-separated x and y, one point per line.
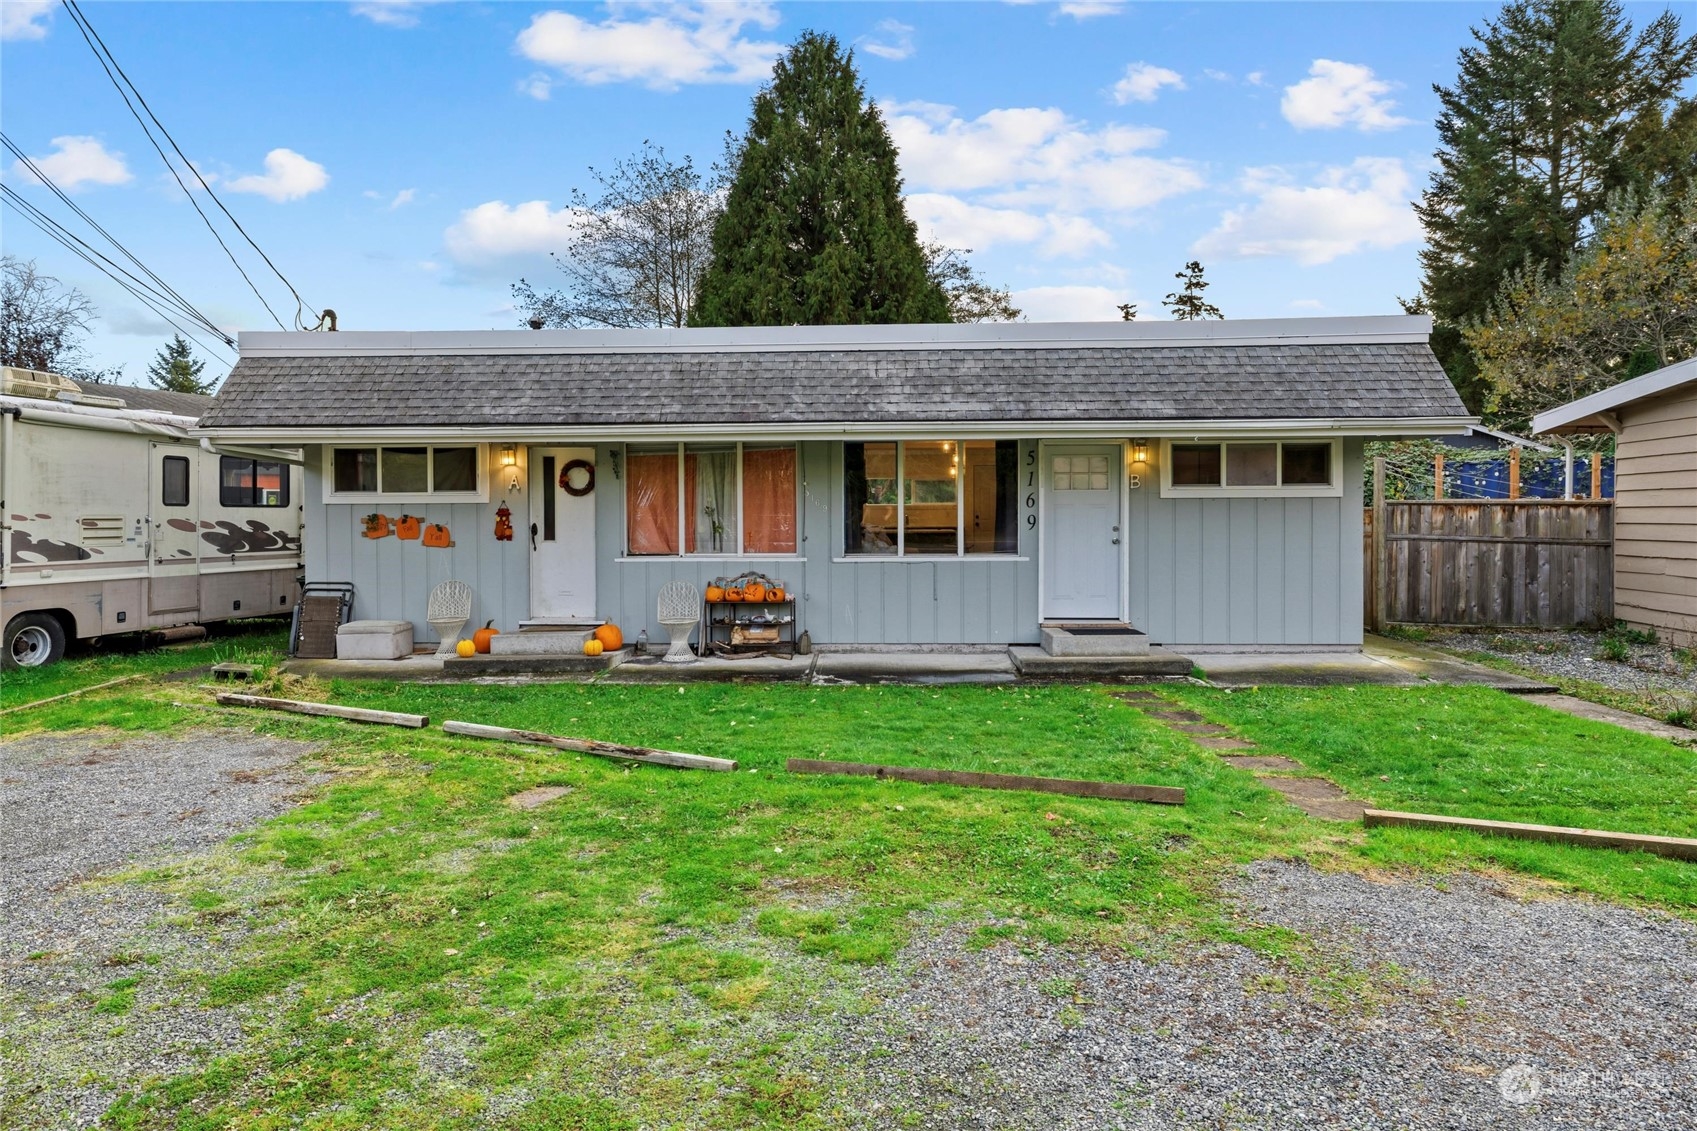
75	807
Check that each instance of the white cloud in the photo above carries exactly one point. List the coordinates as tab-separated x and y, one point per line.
1256	78
890	39
1143	81
1070	304
288	176
680	44
1359	207
495	234
1035	157
1217	76
1090	9
25	19
1309	304
391	13
79	161
539	86
404	197
958	223
1340	94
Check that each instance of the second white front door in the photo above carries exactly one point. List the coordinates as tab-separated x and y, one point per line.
1081	532
562	536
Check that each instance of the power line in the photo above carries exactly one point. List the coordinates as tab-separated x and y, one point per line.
104	54
164	291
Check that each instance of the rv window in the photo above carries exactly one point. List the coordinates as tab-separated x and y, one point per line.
174	482
356	470
252	483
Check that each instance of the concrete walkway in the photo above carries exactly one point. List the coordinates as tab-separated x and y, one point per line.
1391	663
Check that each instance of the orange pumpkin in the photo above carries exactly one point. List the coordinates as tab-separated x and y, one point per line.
610	636
407	527
774	594
437	535
480	639
754	591
592	647
376	526
466	648
715	594
733	595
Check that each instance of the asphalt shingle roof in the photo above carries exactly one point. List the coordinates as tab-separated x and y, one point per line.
1181	382
149	400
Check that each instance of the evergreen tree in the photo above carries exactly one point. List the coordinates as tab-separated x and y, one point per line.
814	231
1556	107
175	369
1187	303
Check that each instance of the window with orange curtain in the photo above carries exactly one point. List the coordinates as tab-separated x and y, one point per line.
651	501
768	500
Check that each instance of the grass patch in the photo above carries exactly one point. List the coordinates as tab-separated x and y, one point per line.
248	642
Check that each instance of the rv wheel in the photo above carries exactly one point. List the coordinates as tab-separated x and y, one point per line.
33	640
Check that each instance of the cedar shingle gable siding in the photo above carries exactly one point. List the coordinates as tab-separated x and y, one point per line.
803	387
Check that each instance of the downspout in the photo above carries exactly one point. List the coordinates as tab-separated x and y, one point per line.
1567	469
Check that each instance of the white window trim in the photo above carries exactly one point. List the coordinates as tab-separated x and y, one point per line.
961	552
1333	490
740	554
481	495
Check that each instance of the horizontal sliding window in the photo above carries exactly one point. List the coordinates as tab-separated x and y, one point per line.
407	469
1267	467
710	499
930	497
246	482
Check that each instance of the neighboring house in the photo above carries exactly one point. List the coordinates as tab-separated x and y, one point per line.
938	484
1654	419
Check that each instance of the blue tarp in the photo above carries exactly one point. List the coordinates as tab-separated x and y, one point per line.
1488	479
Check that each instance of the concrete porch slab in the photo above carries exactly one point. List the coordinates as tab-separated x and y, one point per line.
1301	669
1440	667
712	669
915	667
1034	663
420	665
472	667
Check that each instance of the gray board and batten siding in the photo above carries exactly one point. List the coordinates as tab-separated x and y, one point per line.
1257	571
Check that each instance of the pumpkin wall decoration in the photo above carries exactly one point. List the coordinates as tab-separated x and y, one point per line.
436	535
376	525
465	649
610	636
503	524
481	638
407	527
593	647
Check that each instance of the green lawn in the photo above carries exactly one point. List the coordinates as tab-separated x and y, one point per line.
409	878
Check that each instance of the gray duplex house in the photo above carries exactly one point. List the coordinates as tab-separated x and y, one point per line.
910	485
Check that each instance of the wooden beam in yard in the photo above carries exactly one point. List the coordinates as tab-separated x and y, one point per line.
329	710
1680	848
590	746
70	694
1112	791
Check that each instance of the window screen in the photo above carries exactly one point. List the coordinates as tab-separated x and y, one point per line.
174	482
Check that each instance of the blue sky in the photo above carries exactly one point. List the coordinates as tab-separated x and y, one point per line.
404	163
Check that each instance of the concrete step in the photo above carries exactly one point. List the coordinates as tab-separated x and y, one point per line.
472	666
540	642
1106	638
1157	663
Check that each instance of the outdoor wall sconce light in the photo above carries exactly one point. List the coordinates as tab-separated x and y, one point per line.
1140	451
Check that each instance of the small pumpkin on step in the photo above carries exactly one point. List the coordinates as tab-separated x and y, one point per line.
593	647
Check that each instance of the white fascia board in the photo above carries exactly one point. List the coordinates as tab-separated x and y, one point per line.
1637	389
992	430
1379	329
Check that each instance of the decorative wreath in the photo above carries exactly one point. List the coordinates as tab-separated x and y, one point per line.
588	470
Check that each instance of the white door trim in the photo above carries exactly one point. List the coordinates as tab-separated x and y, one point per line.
1043	513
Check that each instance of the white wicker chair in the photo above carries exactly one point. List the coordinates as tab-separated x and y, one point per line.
447	612
680	611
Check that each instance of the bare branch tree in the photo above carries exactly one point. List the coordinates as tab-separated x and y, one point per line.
42	322
637	251
971	299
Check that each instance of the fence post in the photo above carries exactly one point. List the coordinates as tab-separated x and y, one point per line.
1380	578
1596	475
1438	476
1514	473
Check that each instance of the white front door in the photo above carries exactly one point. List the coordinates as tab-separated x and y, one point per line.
562	537
1081	532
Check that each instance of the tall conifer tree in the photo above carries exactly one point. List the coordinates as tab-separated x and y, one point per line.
814	231
1557	106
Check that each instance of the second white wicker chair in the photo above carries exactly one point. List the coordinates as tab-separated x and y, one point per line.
447	612
680	611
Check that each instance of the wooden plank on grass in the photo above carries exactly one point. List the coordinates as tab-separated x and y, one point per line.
1680	848
329	710
1112	791
70	694
590	746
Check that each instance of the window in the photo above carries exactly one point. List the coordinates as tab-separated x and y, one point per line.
931	497
715	499
406	470
1258	467
174	481
246	482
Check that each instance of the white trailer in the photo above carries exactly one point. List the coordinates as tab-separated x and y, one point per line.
115	519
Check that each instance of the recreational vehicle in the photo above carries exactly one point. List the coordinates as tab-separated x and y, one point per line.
114	519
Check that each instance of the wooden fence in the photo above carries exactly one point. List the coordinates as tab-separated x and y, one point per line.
1531	562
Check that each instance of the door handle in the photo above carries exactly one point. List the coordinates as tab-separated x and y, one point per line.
533	536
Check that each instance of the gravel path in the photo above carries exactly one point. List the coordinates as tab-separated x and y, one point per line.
1650	667
75	807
